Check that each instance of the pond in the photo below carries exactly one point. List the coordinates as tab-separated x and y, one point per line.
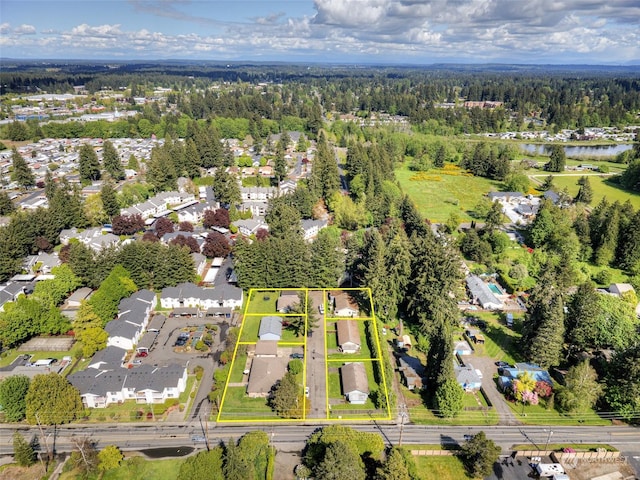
587	151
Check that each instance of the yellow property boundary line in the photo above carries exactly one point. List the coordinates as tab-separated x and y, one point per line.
325	319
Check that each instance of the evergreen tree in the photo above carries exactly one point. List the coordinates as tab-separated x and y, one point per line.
622	392
543	328
226	188
628	254
340	463
494	217
581	389
6	205
21	173
585	193
449	398
161	171
13	390
440	157
191	159
327	260
583	312
325	178
109	200
557	159
479	453
111	161
88	164
394	468
283	220
23	452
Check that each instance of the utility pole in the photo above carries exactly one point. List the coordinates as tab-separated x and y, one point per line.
403	415
546	445
45	439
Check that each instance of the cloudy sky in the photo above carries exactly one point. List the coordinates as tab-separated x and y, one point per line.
371	31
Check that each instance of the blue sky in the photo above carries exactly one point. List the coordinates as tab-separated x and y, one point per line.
359	31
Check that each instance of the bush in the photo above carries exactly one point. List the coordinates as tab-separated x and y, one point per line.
603	277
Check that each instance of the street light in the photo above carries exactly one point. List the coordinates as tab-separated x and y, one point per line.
546	445
403	415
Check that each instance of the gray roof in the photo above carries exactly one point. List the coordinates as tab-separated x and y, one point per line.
147	340
348	332
466	375
354	378
145	377
480	291
270	324
551	195
109	357
265	372
156	322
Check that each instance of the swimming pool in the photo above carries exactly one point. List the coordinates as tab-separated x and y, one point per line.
495	289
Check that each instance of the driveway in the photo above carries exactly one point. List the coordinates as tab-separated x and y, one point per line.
487	367
316	361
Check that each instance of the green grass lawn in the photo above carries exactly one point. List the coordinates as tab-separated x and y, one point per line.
442	468
263	301
237	405
421	415
539	415
135	469
239	363
501	342
250	328
436	200
332	343
601	188
10	355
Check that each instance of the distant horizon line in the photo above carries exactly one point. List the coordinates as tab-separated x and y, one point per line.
631	64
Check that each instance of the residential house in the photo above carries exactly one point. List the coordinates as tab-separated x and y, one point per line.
507	375
481	294
287	300
467	377
311	228
355	384
146	384
343	304
133	316
190	295
270	328
264	374
411	371
77	297
348	336
250	226
194	213
10	291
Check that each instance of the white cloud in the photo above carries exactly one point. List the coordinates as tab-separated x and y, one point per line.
370	30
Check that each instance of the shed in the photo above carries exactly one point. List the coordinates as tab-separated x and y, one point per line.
78	296
462	348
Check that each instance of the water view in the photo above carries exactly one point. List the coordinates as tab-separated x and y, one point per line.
585	151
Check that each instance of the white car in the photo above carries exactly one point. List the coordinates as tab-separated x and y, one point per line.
306	392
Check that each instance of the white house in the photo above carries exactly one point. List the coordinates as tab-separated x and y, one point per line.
190	295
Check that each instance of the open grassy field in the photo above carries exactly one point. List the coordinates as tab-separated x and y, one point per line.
439	195
142	469
442	468
600	186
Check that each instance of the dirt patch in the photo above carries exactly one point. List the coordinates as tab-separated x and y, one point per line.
285	463
586	470
34	472
47	344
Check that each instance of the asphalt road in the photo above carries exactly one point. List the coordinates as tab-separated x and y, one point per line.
132	436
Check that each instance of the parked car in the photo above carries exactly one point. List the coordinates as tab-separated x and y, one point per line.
142	354
502	364
306	392
298	356
137	362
